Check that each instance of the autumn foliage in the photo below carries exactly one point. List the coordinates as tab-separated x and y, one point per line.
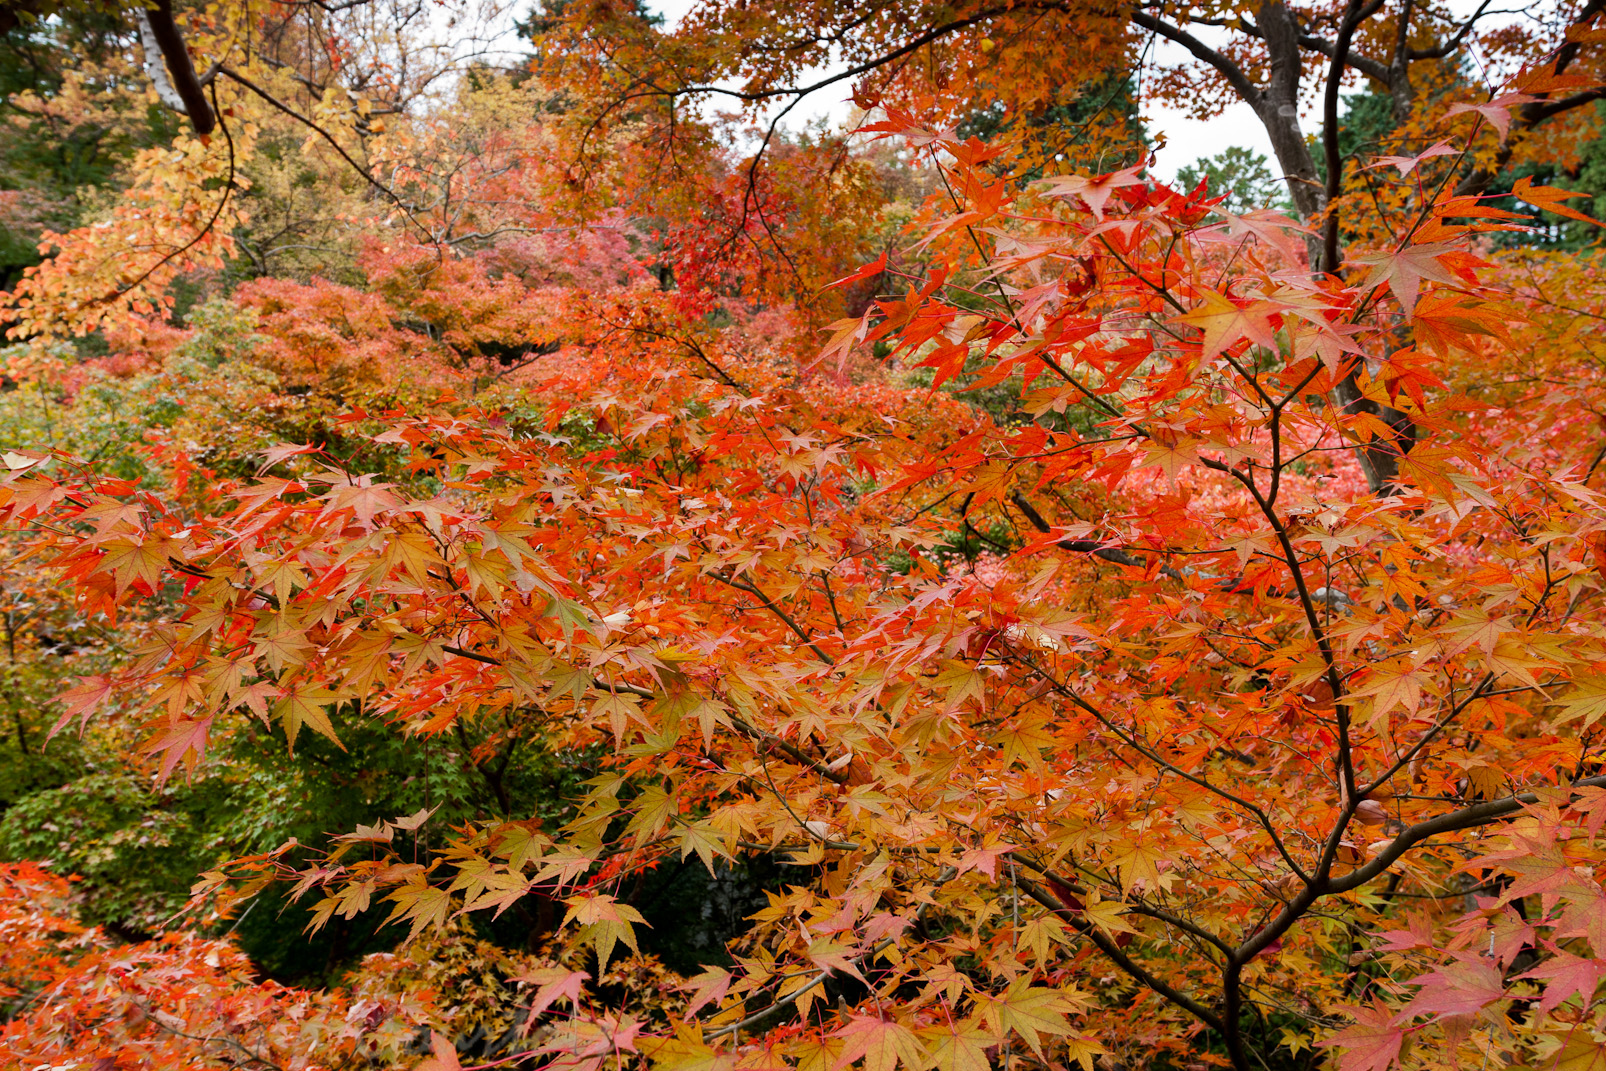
1137	634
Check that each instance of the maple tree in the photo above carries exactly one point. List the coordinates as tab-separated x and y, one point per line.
1219	713
946	62
71	990
185	1001
1143	632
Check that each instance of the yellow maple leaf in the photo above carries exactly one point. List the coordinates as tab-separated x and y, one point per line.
604	922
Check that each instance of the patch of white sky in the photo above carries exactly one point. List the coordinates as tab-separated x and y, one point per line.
1186	138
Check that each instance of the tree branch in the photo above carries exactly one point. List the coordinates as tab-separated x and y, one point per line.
1114	954
186	92
1085	546
1466	818
1353	15
1365	64
1203	53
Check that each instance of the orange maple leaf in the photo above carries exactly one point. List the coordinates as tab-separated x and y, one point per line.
1549	198
1404	269
1223	321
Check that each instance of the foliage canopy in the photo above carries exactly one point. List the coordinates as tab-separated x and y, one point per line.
638	589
